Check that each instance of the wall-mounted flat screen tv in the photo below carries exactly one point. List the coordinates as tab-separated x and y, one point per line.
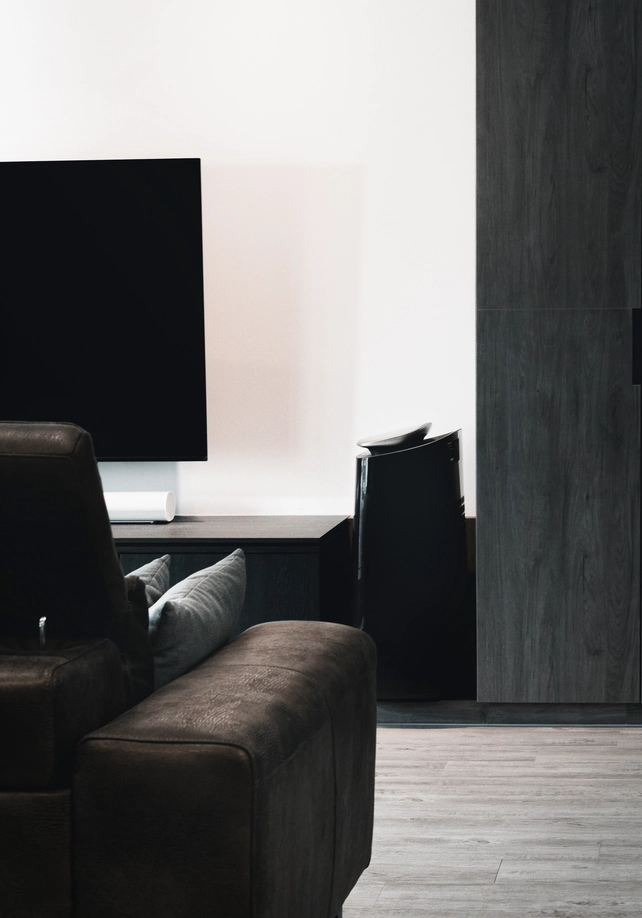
101	299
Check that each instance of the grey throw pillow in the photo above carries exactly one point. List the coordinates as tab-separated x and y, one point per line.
196	617
155	576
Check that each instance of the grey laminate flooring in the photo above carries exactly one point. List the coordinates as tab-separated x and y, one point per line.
505	821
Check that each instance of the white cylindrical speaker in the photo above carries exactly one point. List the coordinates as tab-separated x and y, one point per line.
140	506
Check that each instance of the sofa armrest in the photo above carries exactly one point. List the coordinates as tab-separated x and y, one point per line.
245	788
48	701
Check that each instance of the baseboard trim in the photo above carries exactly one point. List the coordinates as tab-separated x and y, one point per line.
476	714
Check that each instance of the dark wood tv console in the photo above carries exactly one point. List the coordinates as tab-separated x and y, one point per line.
298	567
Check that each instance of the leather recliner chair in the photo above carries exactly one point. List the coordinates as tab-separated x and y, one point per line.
243	789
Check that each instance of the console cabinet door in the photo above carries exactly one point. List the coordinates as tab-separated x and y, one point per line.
558	419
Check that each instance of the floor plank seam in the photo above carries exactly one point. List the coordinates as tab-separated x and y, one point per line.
447	726
374	904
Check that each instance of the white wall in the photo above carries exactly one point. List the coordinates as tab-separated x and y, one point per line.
337	140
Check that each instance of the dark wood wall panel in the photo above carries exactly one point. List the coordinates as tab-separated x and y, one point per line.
559	105
558	500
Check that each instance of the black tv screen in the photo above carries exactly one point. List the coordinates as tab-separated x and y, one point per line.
101	297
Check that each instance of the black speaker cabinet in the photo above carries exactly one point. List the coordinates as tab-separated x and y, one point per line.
410	559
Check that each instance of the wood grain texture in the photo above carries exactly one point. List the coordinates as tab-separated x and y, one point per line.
558	495
559	106
505	821
559	93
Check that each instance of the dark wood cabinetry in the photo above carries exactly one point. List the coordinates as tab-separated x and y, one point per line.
298	567
559	102
558	419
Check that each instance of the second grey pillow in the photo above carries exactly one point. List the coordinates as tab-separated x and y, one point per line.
155	576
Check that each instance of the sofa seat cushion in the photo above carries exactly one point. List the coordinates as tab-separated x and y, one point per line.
48	701
248	781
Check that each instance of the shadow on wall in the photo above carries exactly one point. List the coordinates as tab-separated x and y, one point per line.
281	263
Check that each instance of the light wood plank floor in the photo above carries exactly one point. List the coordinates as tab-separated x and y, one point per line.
527	822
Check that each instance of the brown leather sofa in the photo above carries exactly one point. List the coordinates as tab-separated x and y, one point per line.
243	789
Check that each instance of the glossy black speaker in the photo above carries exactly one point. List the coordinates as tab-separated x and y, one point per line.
410	559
